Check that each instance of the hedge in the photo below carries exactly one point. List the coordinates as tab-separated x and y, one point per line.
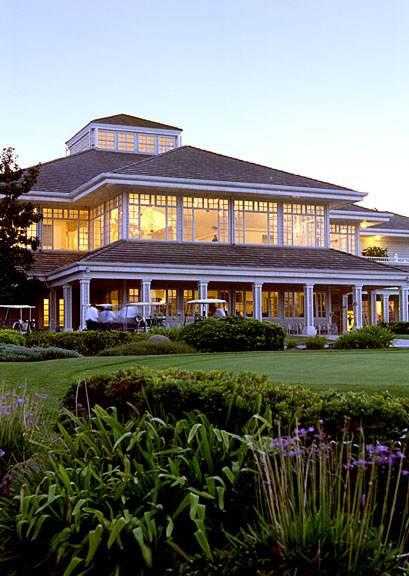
233	334
13	353
145	347
230	400
88	343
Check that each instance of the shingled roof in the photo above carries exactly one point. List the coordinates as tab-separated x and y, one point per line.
396	222
231	256
197	164
47	262
65	174
128	120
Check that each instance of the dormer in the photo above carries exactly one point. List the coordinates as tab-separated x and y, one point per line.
125	133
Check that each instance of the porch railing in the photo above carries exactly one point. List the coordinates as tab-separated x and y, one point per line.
395	259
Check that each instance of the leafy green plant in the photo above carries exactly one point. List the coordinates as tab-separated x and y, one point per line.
13	353
148	348
315	343
144	493
11	337
398	327
367	337
233	334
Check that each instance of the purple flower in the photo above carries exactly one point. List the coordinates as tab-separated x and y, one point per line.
20	401
2	453
405	472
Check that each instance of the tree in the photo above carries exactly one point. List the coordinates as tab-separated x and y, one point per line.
16	216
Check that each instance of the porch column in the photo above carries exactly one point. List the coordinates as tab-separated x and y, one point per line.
344	313
146	295
53	309
202	291
67	295
257	300
403	303
372	308
385	307
84	300
357	305
309	328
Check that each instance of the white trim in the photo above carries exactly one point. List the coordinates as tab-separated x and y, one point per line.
385	232
358	215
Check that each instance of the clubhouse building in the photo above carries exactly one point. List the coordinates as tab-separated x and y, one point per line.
130	214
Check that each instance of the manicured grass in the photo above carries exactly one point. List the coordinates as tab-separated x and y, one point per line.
341	370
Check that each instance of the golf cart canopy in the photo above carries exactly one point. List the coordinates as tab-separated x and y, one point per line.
207	301
17	306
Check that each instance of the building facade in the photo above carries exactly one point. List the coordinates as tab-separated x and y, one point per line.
130	214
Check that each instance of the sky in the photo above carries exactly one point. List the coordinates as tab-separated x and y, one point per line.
314	87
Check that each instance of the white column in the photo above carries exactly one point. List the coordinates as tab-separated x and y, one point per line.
357	305
385	307
179	218
403	303
232	231
372	307
84	300
202	291
344	313
53	309
280	224
146	295
67	295
327	228
309	328
257	300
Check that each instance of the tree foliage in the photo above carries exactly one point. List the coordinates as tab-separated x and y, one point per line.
375	252
16	216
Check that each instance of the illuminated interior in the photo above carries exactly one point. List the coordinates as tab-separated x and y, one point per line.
303	225
205	219
65	229
255	222
152	217
343	237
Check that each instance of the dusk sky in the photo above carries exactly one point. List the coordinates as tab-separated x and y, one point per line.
316	87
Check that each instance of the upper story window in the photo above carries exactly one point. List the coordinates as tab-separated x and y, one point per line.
255	222
97	226
64	229
126	141
147	143
304	225
152	217
205	219
166	143
113	213
106	139
343	237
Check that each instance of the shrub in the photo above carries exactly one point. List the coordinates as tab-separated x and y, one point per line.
230	400
145	494
292	343
398	327
174	333
11	337
13	353
145	347
315	343
88	343
367	337
233	334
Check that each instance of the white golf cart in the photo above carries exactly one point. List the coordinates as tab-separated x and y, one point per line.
24	323
198	309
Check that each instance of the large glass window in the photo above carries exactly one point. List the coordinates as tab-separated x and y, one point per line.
113	213
106	139
46	313
255	222
166	143
205	219
152	217
303	225
243	303
97	226
294	304
64	229
147	143
270	304
320	304
343	237
166	296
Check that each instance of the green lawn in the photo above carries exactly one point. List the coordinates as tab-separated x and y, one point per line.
343	370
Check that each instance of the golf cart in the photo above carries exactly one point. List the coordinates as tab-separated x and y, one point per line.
202	308
23	325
